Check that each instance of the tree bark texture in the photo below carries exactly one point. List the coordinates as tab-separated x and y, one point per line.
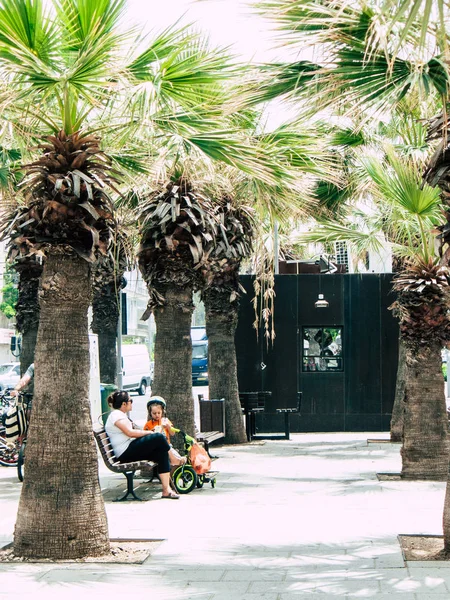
61	512
27	307
446	516
28	348
222	364
105	312
107	353
398	407
425	450
173	357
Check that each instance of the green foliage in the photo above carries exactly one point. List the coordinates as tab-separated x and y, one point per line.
10	294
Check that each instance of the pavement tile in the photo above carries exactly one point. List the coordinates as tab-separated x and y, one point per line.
255	575
232	588
433	570
427	596
247	596
430	585
427	564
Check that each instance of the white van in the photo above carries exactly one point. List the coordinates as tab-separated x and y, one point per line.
136	372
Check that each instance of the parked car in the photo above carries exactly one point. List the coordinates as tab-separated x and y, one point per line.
198	332
9	375
136	368
200	362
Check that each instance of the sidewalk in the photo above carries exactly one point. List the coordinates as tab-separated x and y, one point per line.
305	518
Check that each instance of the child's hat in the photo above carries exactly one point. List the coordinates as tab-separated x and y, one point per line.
156	400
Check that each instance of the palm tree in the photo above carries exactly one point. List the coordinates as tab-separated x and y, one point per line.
68	66
407	210
177	229
221	296
438	173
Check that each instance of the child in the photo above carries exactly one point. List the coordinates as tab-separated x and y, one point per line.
159	423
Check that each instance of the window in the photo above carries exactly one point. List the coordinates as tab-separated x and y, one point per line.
200	350
322	349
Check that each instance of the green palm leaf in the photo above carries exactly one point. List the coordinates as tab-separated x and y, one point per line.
403	185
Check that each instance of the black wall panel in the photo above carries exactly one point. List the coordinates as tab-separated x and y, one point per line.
360	398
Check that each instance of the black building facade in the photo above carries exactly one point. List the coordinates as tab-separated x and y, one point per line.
342	358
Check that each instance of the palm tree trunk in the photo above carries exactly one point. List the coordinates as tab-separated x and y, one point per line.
28	347
398	408
61	513
105	318
27	307
107	354
446	516
173	357
222	364
425	451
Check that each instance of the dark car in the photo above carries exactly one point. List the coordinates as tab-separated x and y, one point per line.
200	362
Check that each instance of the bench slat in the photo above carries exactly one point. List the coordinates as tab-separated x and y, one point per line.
110	460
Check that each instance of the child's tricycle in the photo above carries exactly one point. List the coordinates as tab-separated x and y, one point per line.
184	477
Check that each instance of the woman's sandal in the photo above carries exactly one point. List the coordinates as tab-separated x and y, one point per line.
171	496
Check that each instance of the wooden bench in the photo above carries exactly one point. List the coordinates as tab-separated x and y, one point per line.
212	421
110	460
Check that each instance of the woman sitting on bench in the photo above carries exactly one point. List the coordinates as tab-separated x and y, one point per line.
131	444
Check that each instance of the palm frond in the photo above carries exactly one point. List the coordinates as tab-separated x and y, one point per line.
415	16
402	184
361	236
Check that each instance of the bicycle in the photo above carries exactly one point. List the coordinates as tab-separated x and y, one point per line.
27	399
184	477
9	452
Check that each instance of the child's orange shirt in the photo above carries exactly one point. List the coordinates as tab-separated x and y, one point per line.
150	425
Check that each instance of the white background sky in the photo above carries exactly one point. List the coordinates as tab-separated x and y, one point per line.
226	21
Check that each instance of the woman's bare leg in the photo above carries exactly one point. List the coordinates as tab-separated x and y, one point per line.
165	482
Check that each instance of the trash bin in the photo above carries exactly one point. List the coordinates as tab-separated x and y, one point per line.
105	390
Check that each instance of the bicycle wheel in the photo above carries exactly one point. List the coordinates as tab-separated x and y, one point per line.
8	455
184	479
21	462
200	481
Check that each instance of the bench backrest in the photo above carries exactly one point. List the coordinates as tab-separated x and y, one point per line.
105	448
212	415
110	459
253	400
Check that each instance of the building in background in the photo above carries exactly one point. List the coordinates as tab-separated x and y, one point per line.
134	303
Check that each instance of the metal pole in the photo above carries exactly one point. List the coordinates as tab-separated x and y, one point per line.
119	345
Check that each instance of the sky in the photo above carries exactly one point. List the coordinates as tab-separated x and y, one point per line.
226	21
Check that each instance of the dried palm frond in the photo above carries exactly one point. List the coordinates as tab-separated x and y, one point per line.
66	202
178	227
235	227
422	304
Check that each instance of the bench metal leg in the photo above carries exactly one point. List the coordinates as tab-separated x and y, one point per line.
130	489
287	428
207	445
